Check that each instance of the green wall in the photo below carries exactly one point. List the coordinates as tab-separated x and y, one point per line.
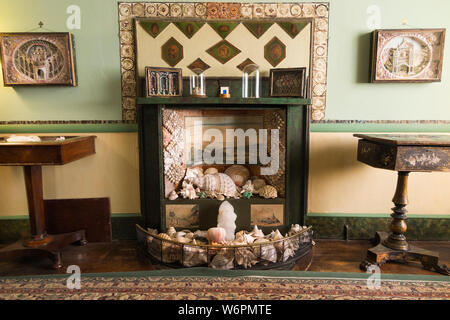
350	97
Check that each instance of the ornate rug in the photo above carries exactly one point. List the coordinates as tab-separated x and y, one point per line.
211	285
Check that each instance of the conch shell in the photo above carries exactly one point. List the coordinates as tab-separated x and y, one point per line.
245	257
257	233
217	235
223	259
219	183
194	256
238	173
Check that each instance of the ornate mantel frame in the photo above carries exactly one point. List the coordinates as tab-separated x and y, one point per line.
316	11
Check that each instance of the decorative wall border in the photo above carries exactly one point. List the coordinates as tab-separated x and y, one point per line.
317	11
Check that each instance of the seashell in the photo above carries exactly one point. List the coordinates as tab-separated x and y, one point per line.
295	228
245	257
289	250
182	239
173	195
171	253
211	171
258	183
188	191
261	240
220	197
164	236
266	252
171	232
248	238
248	187
179	234
192	173
239	234
223	260
226	220
190	235
216	234
277	236
257	233
200	233
152	231
238	173
219	183
268	192
194	256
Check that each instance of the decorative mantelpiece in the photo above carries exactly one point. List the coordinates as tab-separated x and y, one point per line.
315	12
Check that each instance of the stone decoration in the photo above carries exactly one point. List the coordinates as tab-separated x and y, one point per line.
172	52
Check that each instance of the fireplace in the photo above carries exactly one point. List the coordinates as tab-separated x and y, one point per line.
264	141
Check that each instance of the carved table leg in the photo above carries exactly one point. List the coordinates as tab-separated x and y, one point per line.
394	247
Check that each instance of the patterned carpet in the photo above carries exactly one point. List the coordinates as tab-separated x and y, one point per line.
240	285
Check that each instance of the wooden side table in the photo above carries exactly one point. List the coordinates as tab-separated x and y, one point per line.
405	154
32	156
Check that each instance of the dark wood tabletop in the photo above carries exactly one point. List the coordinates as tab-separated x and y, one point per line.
408	139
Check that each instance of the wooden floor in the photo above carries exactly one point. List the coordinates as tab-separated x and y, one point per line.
121	256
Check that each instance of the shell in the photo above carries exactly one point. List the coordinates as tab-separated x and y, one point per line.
295	228
277	236
223	260
248	238
238	173
164	236
179	234
248	187
245	257
200	234
190	235
171	232
194	256
266	252
289	250
219	183
268	192
171	253
152	231
220	197
257	233
216	234
211	171
173	195
182	239
188	191
258	183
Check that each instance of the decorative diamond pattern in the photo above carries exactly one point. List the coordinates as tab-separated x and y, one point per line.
189	28
172	52
275	51
223	51
244	63
223	29
198	64
154	28
257	28
293	29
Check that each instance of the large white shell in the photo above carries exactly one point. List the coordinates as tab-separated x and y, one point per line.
257	233
238	173
219	183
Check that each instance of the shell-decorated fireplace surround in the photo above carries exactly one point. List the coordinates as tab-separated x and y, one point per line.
316	12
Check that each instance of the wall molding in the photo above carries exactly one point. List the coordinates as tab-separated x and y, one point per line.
325	226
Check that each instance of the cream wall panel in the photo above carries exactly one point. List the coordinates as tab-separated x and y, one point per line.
340	184
112	172
149	49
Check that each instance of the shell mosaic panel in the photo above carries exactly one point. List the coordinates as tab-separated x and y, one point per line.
244	12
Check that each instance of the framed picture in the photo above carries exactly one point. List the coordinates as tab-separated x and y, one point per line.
163	82
407	55
38	59
288	82
267	215
182	216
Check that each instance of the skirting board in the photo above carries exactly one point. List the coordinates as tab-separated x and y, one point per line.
325	227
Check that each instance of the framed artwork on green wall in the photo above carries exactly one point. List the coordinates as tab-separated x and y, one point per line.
407	55
38	59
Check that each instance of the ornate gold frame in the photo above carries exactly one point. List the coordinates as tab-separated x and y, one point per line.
317	12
